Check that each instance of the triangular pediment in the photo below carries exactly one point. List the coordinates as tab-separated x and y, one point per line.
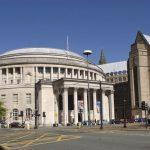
139	38
142	39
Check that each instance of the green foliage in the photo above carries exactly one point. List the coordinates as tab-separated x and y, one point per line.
2	110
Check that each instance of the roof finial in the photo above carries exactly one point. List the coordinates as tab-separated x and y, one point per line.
102	58
67	43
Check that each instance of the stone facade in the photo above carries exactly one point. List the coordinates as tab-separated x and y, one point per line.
139	70
62	80
117	74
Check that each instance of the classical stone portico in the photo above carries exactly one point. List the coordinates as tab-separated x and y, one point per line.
72	94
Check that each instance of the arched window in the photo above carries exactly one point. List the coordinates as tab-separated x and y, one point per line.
15	114
28	113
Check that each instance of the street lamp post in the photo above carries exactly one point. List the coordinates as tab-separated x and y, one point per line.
124	112
87	53
36	107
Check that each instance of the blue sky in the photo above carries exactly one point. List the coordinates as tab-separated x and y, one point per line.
110	25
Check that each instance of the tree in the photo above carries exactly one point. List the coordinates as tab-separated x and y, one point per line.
2	110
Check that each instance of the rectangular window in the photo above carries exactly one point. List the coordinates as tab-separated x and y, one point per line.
28	98
48	70
10	71
62	70
18	81
4	71
40	70
55	70
69	71
17	70
15	98
3	97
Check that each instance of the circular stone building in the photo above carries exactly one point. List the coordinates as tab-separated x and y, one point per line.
53	83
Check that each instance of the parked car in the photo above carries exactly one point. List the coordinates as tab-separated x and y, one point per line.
131	120
104	122
16	125
86	123
3	124
140	120
115	121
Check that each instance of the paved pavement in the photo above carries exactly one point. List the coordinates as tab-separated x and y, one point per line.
72	138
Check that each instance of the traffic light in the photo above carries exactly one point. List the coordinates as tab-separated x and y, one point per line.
143	105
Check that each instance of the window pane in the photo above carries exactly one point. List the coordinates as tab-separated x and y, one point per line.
55	70
4	71
40	69
28	98
15	114
15	98
28	113
47	69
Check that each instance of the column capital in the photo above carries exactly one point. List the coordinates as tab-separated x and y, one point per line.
65	88
75	88
94	90
112	91
103	90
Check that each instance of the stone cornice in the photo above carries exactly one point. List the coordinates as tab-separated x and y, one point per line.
48	60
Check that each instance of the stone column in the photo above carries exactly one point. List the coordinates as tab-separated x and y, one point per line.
58	72
89	75
65	106
75	106
21	74
94	105
72	75
111	105
51	73
78	74
0	76
44	72
83	74
35	75
92	78
66	73
14	75
7	76
85	106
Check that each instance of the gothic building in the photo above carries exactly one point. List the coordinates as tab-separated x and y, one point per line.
139	73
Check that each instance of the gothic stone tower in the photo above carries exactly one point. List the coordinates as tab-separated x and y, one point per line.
139	73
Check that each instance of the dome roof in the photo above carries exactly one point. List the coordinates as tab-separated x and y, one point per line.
49	51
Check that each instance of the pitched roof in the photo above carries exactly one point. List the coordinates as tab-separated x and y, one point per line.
114	67
147	37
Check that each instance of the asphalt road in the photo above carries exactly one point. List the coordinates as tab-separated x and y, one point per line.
74	139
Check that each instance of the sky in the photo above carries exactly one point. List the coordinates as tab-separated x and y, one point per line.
110	25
